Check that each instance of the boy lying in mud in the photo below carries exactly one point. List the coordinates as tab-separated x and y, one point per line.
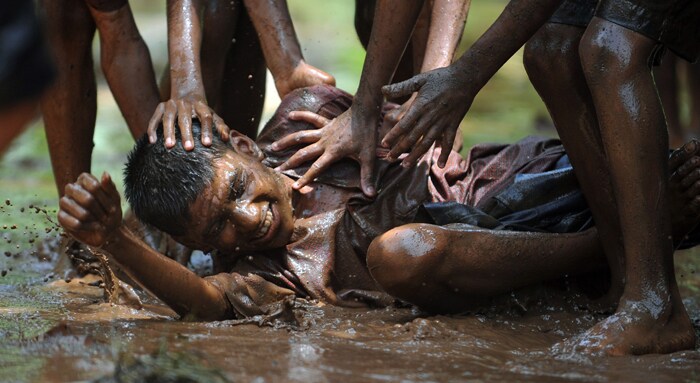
443	239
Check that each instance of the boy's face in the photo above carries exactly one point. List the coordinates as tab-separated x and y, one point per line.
248	206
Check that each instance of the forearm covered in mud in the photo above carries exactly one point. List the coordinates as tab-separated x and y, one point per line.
517	23
192	297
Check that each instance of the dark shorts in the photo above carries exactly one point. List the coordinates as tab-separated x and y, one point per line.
673	23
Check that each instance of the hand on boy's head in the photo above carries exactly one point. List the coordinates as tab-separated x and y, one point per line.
441	102
90	209
184	110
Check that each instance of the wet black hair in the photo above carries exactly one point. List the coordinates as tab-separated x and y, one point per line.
161	184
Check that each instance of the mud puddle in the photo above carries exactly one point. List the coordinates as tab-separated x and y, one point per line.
57	329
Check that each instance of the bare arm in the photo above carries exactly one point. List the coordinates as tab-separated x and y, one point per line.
445	95
353	133
187	96
185	292
447	20
90	212
281	47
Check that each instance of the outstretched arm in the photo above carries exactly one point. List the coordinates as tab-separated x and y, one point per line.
90	212
445	95
281	48
187	95
354	133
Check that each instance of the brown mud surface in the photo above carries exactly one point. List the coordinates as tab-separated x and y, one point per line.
56	328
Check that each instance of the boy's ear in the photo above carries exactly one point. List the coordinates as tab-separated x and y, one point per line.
244	145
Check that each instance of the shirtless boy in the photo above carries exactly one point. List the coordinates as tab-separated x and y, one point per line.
331	242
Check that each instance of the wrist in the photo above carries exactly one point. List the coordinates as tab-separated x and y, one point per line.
116	238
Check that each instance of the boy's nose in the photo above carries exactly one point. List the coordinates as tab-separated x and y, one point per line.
246	216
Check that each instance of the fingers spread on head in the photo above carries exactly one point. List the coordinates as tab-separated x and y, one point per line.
222	128
206	120
169	123
184	119
154	122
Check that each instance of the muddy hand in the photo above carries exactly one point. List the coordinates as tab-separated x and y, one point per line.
303	75
434	115
90	210
333	140
184	110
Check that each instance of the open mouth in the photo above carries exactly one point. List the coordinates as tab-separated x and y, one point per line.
267	225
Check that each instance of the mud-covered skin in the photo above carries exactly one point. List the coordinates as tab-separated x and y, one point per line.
217	68
90	212
617	149
465	265
392	24
353	134
281	48
444	95
554	68
69	107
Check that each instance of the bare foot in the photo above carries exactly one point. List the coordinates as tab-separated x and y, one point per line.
303	75
636	328
684	189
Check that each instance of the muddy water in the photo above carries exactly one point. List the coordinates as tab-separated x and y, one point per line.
54	330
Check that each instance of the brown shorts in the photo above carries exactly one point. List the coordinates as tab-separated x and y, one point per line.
673	23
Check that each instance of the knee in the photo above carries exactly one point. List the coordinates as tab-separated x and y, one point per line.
406	258
610	54
552	52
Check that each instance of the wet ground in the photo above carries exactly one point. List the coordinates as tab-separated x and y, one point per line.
54	329
51	330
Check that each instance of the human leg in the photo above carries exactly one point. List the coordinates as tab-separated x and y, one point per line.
455	268
219	21
464	265
650	316
553	65
666	78
127	65
69	107
243	86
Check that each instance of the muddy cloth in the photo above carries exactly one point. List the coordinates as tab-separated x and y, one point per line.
25	66
327	261
526	186
673	23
